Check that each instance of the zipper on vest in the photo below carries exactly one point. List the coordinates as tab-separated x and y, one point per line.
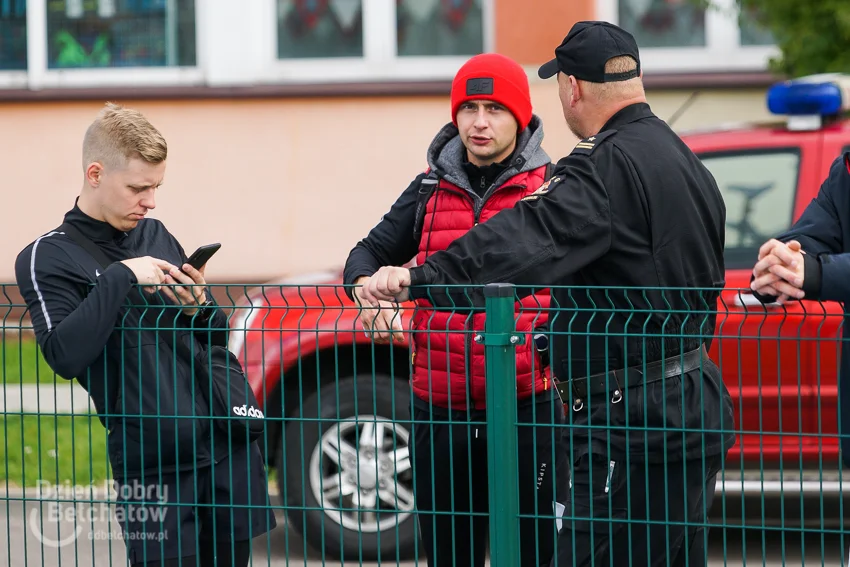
477	209
478	204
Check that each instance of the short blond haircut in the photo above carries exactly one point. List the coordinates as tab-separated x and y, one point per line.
119	134
605	92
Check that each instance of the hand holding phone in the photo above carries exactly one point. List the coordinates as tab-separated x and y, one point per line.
182	295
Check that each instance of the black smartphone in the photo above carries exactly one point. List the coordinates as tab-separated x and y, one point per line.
200	256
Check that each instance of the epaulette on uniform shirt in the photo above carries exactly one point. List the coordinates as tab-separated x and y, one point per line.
586	146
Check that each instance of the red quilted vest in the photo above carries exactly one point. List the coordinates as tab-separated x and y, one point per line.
448	366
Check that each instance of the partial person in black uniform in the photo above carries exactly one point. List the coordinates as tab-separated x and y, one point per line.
630	207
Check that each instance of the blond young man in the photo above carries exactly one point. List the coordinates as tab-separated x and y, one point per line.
112	320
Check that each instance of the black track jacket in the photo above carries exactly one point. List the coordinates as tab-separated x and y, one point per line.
95	325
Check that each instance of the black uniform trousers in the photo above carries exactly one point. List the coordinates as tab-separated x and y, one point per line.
641	514
637	503
451	482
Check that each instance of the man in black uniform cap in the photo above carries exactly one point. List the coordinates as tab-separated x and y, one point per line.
633	207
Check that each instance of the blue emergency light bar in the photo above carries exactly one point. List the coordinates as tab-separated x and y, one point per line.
808	100
816	95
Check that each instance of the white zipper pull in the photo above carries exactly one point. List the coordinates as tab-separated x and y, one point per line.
610	474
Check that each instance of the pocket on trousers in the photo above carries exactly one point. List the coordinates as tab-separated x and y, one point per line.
597	494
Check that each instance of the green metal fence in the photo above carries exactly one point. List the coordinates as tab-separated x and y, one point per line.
364	467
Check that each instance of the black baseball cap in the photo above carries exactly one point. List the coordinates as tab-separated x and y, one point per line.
586	50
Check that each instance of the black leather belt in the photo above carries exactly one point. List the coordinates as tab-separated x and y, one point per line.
616	380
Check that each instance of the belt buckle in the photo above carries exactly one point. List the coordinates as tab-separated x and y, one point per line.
578	404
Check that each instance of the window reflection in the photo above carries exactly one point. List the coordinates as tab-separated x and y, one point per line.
753	29
120	33
759	188
663	23
319	28
13	35
439	27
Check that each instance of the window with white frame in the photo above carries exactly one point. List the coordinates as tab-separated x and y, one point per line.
106	43
423	28
365	40
98	43
681	36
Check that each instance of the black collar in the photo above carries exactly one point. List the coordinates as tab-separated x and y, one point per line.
94	229
628	114
482	177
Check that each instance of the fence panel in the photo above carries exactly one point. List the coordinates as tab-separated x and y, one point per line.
473	434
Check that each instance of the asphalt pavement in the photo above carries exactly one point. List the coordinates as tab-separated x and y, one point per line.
30	538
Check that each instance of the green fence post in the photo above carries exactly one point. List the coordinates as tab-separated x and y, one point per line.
500	342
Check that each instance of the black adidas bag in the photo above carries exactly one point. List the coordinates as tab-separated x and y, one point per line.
226	388
222	380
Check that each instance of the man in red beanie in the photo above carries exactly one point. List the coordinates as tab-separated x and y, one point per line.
484	161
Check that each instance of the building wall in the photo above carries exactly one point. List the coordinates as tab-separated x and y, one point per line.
289	184
531	35
286	185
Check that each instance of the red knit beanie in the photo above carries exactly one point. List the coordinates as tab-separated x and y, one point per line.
491	76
